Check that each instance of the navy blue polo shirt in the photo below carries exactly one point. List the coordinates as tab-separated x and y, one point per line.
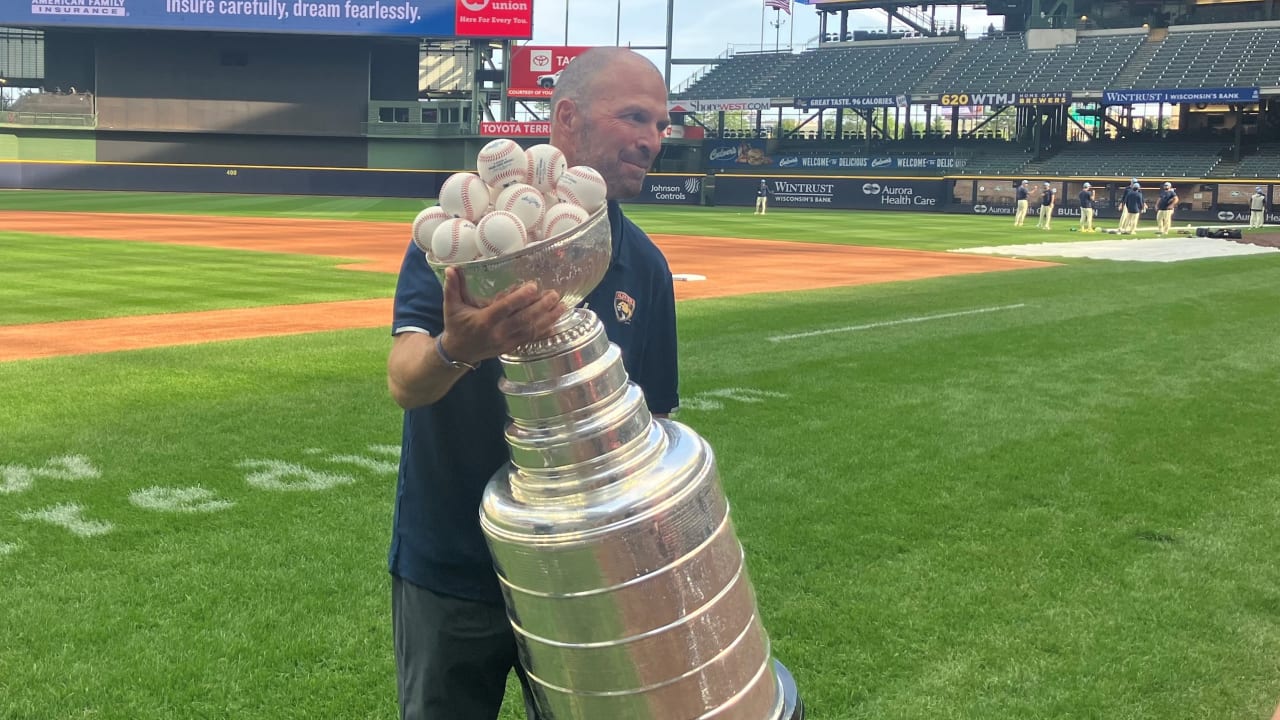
1133	200
1086	199
1021	194
1166	199
451	449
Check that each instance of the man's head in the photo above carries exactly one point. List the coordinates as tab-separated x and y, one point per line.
1167	186
609	111
1087	186
1258	189
1046	185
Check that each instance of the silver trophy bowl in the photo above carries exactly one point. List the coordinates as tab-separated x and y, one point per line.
571	263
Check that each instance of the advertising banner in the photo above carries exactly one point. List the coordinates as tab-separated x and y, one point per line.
1198	95
835	193
737	153
814	103
515	129
734	105
1010	98
404	18
535	68
751	153
836	162
670	190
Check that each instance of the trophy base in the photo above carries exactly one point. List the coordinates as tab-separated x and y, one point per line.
792	705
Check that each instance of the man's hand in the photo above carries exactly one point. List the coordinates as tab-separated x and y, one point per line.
515	317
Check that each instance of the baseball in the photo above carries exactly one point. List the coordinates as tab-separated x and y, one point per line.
425	224
454	241
583	187
546	165
499	233
562	218
501	163
525	202
464	195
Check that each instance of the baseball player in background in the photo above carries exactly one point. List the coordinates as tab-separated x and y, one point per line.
762	198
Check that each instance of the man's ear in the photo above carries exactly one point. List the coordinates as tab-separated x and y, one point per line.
565	114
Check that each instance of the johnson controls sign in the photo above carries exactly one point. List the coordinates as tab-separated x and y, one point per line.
670	190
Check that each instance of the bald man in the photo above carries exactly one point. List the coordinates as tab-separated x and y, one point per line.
454	646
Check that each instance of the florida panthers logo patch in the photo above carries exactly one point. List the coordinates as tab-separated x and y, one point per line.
624	307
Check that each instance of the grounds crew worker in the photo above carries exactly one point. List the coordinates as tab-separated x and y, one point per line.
1086	209
1257	208
1021	214
762	198
1164	208
1046	206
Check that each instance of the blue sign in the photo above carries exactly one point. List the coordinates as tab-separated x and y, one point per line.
1195	95
839	162
406	18
807	103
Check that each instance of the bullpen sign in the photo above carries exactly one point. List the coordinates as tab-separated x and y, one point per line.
536	68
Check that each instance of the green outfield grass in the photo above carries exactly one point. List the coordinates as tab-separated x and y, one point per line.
1039	494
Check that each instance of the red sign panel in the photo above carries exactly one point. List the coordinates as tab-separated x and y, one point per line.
494	18
535	68
515	129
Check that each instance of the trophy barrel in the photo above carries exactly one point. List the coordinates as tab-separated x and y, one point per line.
623	578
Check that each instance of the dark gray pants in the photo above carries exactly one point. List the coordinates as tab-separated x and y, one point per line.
453	656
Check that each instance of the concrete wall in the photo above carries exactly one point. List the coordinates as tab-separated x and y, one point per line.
195	82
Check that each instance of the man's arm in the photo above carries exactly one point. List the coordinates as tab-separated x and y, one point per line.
416	374
419	371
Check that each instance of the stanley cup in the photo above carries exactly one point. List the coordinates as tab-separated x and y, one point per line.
623	578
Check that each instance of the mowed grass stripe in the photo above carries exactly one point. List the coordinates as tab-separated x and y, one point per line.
57	278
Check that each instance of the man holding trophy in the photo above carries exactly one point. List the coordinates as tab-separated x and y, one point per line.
454	644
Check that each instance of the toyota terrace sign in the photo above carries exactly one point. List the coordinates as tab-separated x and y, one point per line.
515	129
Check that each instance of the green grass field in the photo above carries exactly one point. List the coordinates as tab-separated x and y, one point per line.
1061	503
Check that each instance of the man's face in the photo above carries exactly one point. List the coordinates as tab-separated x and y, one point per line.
619	130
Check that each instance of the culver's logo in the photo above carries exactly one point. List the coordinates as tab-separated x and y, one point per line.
723	153
789	161
881	162
871	189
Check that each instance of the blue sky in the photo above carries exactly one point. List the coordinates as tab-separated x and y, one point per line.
702	28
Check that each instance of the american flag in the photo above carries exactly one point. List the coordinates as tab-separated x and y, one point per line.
783	5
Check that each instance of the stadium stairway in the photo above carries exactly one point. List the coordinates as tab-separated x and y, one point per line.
944	66
1141	58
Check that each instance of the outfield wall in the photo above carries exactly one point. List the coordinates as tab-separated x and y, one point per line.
1201	200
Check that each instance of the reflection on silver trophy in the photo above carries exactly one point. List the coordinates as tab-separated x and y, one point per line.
610	533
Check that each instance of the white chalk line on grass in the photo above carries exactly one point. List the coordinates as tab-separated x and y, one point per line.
891	323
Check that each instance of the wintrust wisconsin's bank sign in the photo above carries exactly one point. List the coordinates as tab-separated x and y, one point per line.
835	193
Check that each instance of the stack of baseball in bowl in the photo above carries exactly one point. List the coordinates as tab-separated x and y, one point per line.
517	197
